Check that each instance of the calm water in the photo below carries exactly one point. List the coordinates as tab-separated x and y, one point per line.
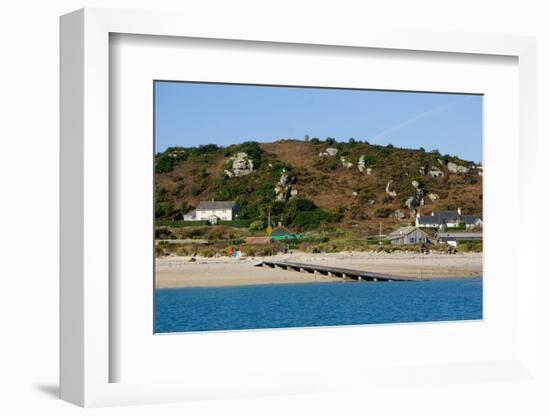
316	304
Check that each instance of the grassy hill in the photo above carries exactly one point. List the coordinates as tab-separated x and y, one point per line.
316	188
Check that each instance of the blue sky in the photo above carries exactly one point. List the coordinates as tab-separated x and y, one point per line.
190	114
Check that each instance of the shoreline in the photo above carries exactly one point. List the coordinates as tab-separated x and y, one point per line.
180	272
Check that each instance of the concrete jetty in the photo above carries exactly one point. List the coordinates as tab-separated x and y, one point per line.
353	274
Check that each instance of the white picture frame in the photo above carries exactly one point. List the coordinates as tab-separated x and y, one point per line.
87	329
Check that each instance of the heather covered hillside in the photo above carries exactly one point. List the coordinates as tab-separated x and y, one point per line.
309	184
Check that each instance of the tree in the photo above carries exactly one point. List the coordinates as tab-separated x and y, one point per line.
256	225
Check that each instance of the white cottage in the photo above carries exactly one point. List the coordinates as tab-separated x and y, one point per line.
213	211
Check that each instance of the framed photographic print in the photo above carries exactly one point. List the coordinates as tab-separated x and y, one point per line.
262	233
237	208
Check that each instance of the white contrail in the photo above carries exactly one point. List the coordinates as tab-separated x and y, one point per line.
417	117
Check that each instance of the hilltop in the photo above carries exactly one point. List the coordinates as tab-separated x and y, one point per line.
307	184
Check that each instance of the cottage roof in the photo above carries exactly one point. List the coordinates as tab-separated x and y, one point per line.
403	231
446	215
439	217
470	219
462	234
210	205
429	219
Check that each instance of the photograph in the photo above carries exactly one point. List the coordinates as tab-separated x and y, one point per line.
299	206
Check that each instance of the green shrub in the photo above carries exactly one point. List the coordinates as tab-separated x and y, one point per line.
257	225
163	233
164	209
382	212
313	218
167	160
302	204
470	246
195	189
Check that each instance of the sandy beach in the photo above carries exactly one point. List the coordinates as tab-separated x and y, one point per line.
172	272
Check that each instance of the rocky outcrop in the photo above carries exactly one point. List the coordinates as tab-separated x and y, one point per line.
283	189
176	153
399	214
455	168
329	151
242	165
391	192
415	201
361	164
435	172
422	170
346	163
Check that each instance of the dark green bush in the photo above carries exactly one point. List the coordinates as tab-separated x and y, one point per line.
312	218
382	212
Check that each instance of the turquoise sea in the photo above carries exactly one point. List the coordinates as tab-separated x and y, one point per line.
316	304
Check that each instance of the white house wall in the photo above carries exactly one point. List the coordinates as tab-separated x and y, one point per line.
222	214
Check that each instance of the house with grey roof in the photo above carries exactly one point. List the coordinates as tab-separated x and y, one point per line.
472	221
408	235
448	219
213	211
